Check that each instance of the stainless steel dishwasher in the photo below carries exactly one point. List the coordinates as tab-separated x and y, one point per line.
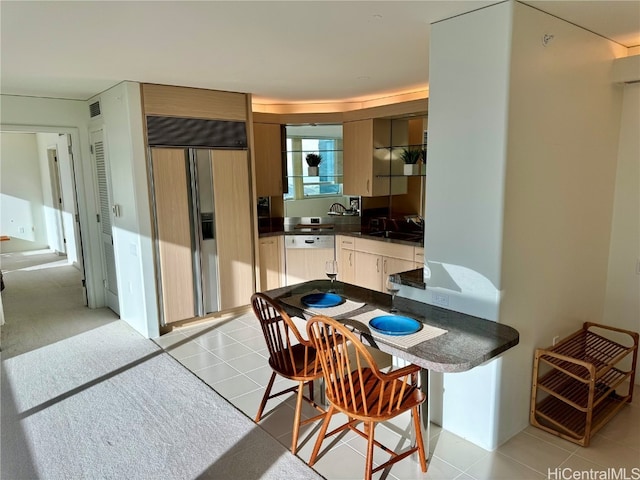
306	255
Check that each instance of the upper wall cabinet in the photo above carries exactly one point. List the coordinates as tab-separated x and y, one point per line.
267	141
167	100
371	166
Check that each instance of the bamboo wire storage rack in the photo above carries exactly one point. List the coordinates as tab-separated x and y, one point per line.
576	394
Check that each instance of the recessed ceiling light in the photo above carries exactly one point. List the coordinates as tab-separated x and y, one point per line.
377	16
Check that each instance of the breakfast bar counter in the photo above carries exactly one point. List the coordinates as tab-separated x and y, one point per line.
468	341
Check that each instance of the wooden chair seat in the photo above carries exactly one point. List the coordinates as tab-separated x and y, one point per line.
356	386
302	365
290	356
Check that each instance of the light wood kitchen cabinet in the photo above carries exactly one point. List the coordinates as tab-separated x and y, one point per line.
189	102
304	264
346	258
376	260
372	270
271	251
267	142
370	167
369	270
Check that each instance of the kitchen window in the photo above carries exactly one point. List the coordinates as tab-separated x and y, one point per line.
324	140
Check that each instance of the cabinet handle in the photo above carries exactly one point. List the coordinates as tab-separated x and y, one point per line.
378	265
384	266
350	264
368	185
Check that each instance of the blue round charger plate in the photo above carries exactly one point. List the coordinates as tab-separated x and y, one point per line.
321	300
395	325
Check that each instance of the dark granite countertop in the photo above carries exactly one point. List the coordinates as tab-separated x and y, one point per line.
412	278
469	341
351	231
400	232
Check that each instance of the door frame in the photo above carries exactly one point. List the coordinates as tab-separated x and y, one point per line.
89	264
56	193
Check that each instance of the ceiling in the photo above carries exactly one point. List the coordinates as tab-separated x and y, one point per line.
281	51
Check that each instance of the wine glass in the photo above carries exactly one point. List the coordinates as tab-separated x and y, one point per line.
393	288
331	269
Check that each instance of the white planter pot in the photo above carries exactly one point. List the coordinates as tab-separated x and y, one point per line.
411	169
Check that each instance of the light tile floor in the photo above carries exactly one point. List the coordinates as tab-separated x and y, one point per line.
230	356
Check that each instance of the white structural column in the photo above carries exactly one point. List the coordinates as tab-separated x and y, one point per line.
524	120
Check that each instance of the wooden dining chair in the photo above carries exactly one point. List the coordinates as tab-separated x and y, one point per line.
291	356
356	387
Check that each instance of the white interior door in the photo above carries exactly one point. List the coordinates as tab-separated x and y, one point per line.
98	151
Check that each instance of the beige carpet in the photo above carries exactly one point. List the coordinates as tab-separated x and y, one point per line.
85	396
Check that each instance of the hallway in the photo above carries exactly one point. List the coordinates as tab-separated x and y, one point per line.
41	286
86	396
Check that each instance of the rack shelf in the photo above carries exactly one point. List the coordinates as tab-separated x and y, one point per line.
577	394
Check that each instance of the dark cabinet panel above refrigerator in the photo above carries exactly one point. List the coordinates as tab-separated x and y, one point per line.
195	132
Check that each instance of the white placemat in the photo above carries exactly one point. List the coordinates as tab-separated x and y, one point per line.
427	332
301	325
343	308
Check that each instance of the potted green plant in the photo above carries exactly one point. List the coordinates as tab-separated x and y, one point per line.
411	157
313	160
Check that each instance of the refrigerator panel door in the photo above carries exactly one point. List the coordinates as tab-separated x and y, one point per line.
173	233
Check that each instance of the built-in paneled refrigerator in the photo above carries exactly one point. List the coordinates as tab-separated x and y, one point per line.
200	180
184	215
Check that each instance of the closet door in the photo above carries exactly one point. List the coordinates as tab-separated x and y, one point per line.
101	159
233	227
173	231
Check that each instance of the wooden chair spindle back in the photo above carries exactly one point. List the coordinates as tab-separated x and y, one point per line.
283	339
351	373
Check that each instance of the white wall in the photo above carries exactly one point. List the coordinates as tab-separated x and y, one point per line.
564	120
622	299
132	240
468	85
523	149
71	117
465	188
21	206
